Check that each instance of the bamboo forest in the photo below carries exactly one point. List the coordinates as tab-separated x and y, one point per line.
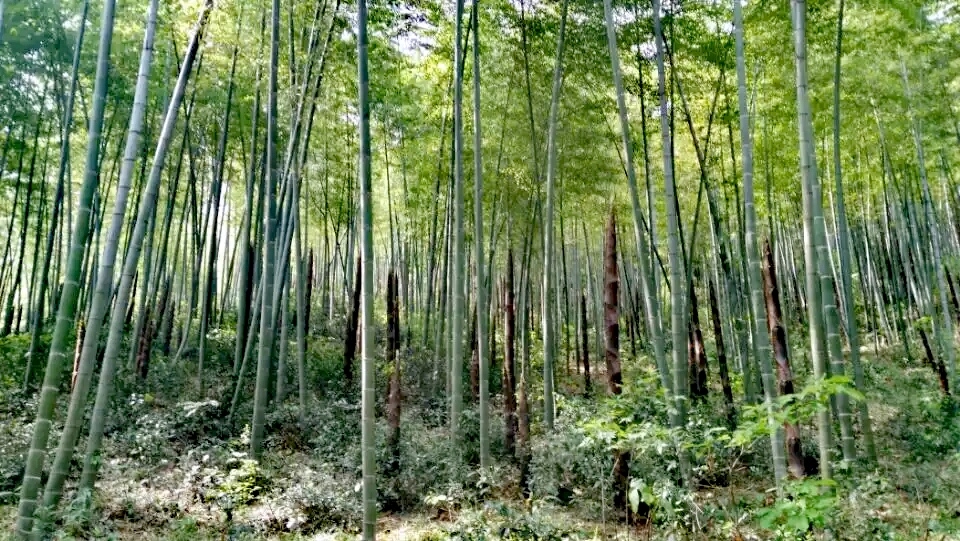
479	269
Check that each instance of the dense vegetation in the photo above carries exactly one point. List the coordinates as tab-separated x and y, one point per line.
494	270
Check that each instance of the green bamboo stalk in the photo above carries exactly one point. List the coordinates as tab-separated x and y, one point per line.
846	268
71	286
946	320
246	261
66	128
269	246
483	306
815	308
645	250
131	261
762	346
210	286
458	270
549	259
104	288
675	257
368	365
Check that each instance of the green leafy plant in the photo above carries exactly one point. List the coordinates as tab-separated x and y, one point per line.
498	521
243	483
807	505
800	407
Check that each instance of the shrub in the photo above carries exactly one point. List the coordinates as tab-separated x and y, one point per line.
502	522
315	499
166	433
807	505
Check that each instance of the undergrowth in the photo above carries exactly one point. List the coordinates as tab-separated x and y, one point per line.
174	469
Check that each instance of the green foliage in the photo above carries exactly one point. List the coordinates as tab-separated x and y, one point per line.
635	420
325	365
808	504
184	530
156	432
305	484
671	506
315	498
78	521
307	478
863	511
930	429
502	522
243	483
77	518
15	433
283	428
800	407
427	472
12	350
566	465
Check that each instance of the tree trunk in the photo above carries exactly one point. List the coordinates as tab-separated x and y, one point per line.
350	342
509	354
647	253
368	371
754	280
936	364
248	257
474	359
269	256
846	268
8	321
696	351
611	323
146	345
308	299
944	321
481	274
585	344
393	386
675	256
721	355
811	227
611	308
778	340
523	407
458	269
549	260
209	292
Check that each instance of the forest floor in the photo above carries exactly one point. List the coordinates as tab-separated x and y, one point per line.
174	469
